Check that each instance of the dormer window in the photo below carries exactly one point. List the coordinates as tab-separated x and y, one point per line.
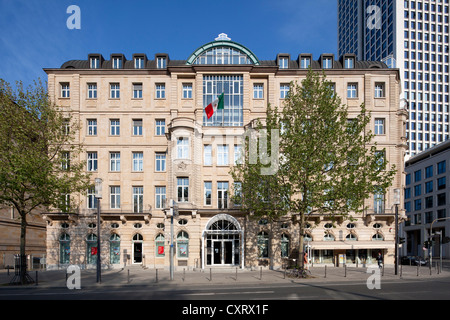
305	62
349	63
327	63
283	62
161	62
139	63
117	62
94	63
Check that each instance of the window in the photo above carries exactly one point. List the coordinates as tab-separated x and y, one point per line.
137	127
417	175
160	127
222	154
428	172
92	127
258	91
284	90
208	192
160	161
159	244
263	244
183	189
429	202
352	90
65	160
222	195
327	63
207	155
160	197
379	126
238	154
114	192
160	91
139	63
114	89
441	201
441	167
187	90
137	90
65	90
349	63
114	161
114	127
161	62
91	200
284	246
92	161
305	62
441	183
283	63
182	244
378	199
429	187
92	90
183	148
138	199
117	63
379	90
418	204
138	161
417	190
94	63
441	213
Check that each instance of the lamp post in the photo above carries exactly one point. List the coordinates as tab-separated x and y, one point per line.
396	203
98	195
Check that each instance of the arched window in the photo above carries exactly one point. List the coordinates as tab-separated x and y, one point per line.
263	244
138	237
351	237
159	244
285	245
377	237
64	249
182	244
114	249
91	248
328	236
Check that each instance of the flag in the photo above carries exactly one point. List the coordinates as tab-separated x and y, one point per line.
215	105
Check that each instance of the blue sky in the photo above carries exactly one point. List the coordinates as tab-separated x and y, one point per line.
34	34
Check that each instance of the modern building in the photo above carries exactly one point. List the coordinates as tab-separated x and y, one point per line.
426	194
146	135
414	37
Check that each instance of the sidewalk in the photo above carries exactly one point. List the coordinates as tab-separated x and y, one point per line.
138	276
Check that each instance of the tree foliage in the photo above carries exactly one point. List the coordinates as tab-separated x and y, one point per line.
38	156
328	162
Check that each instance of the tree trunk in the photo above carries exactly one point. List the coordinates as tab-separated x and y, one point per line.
301	252
22	255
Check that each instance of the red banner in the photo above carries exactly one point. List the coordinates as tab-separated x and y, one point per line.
94	251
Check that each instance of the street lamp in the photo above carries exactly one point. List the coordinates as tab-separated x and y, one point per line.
98	195
396	203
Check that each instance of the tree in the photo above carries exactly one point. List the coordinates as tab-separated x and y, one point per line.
328	163
38	157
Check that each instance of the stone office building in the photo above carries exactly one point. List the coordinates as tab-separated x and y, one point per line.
146	135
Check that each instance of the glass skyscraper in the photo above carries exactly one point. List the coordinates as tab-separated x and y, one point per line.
412	36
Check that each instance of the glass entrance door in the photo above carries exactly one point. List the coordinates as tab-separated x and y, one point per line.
223	252
137	252
217	252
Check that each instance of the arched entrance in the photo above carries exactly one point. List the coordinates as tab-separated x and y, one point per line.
137	248
222	242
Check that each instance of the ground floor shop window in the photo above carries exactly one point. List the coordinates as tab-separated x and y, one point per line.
91	246
182	245
64	249
159	244
263	244
114	249
284	245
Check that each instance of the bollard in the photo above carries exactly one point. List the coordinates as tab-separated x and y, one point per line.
184	274
156	275
345	270
236	273
284	273
418	269
210	274
325	271
36	278
128	276
401	271
260	273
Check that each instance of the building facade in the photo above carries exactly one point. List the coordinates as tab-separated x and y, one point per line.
146	135
414	37
426	193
